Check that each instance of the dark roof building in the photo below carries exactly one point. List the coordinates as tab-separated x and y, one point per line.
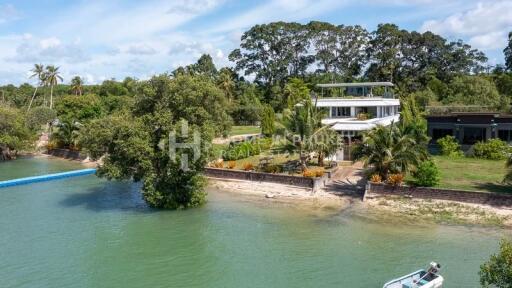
471	127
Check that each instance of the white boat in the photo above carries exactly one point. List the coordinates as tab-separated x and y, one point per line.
422	278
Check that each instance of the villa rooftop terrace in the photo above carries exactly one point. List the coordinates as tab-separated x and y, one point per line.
360	84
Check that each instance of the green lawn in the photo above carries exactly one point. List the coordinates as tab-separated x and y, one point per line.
240	130
472	174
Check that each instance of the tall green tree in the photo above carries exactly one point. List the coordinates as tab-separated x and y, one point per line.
273	52
82	109
474	90
384	52
52	78
38	72
14	133
497	272
174	119
508	52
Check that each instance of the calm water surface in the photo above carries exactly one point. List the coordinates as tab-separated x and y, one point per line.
86	232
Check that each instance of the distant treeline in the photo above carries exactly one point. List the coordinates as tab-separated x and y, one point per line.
284	62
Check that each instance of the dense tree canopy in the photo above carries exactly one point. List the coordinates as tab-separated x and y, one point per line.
14	132
135	144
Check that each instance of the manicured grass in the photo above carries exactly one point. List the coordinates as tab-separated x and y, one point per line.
240	130
472	174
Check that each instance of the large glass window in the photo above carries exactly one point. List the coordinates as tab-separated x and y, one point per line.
473	135
505	135
340	111
438	133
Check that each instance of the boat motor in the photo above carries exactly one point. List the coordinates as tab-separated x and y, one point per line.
434	268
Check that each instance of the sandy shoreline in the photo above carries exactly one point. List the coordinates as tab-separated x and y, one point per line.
440	211
267	191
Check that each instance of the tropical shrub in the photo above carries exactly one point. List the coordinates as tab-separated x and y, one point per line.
493	149
268	118
272	168
231	164
310	173
248	166
84	108
218	164
319	172
376	178
247	149
427	174
395	179
391	150
449	146
314	172
497	272
39	116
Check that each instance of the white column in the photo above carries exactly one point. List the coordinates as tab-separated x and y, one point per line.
352	111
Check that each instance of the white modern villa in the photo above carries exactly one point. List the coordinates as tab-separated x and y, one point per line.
358	109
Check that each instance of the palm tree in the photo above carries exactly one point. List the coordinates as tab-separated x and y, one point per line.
38	71
77	85
308	133
390	150
52	78
226	83
67	133
325	141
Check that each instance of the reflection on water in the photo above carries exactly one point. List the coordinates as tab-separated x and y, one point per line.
86	232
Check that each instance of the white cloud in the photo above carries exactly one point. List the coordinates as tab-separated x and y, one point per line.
141	49
8	13
279	10
52	49
484	24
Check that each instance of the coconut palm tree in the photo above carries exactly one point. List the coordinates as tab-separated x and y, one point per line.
226	83
67	133
307	134
52	78
77	85
390	150
38	71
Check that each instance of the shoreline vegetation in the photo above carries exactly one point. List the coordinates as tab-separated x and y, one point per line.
146	130
325	201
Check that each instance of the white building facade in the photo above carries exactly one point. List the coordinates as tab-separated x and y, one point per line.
358	109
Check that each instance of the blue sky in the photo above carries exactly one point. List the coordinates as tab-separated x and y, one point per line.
100	40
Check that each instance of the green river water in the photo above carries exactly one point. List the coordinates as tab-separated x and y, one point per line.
87	232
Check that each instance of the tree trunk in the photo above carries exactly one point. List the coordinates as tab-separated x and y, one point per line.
31	100
321	159
51	96
5	153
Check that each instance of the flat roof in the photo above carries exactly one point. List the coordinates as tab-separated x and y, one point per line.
361	84
349	102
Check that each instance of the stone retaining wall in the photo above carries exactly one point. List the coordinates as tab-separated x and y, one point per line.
66	153
306	182
474	197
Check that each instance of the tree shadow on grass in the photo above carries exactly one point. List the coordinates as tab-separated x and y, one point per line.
109	196
494	187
